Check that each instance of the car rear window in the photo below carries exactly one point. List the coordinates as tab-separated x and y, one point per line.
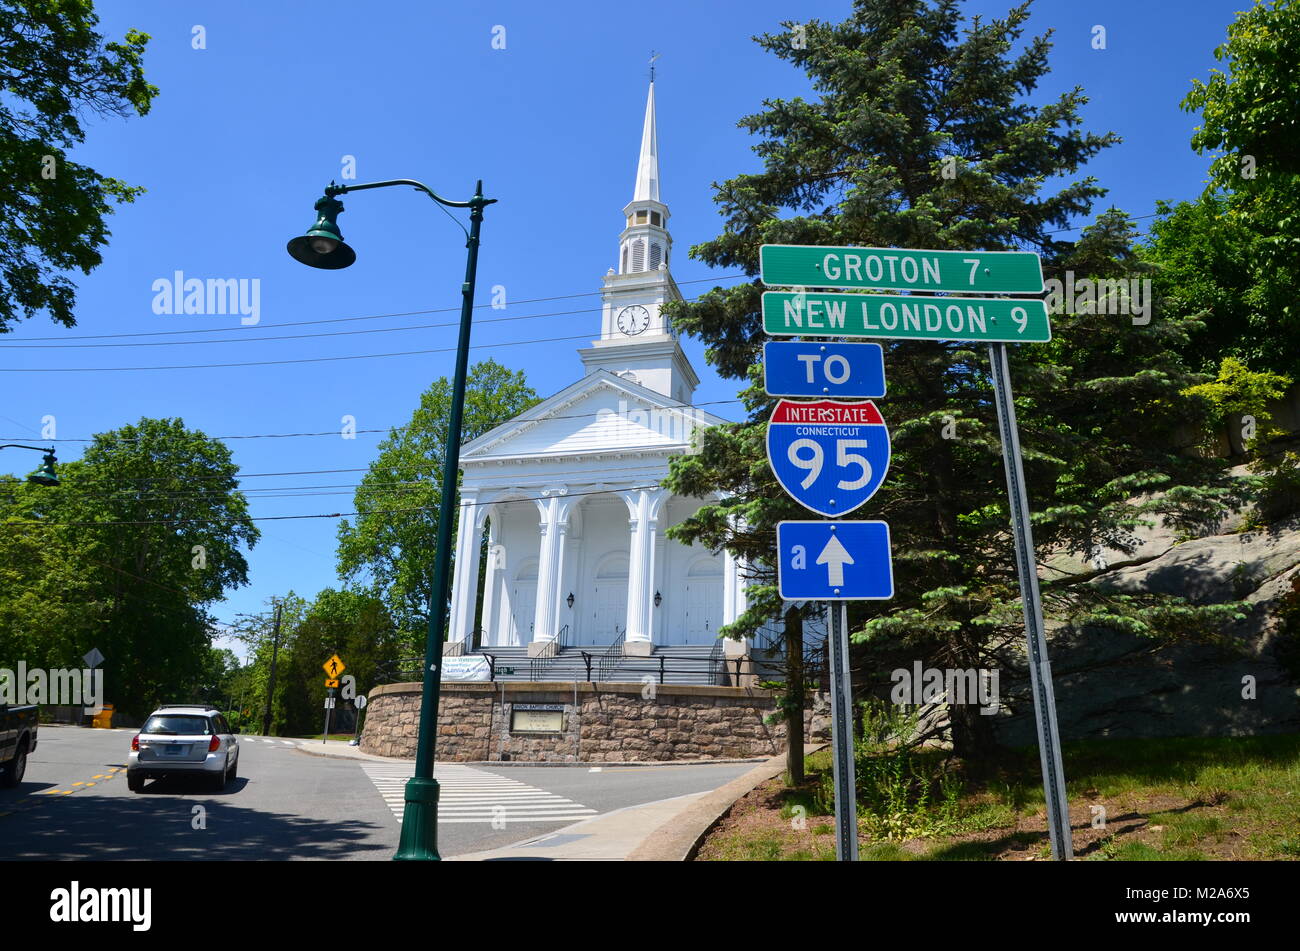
178	724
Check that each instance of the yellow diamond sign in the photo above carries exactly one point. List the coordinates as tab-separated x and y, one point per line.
334	666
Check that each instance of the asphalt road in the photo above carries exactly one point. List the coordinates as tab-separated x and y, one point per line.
286	804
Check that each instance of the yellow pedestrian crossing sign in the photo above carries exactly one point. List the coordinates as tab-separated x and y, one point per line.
334	666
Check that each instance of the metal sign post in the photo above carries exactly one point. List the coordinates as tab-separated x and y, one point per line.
846	793
329	709
1040	670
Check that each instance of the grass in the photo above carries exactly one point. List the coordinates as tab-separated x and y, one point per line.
1181	799
344	737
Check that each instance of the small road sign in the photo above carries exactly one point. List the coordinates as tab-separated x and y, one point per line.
906	317
334	666
831	457
93	658
331	683
329	703
834	561
982	272
826	369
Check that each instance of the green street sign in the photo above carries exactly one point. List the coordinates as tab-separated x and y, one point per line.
906	317
980	272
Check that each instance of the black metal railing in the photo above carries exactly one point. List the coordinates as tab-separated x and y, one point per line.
538	666
715	662
612	658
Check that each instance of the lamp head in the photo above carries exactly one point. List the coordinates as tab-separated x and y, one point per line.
45	474
322	246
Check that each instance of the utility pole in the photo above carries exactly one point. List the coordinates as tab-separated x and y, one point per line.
270	690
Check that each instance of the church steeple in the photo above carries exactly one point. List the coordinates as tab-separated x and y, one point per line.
645	243
647	168
636	340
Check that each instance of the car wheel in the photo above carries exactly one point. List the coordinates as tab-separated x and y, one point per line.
133	782
234	770
13	775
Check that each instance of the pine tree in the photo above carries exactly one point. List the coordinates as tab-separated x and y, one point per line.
924	135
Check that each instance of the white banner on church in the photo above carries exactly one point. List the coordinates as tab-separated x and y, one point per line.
466	668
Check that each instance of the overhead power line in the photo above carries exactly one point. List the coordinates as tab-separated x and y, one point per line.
340	320
17	523
392	429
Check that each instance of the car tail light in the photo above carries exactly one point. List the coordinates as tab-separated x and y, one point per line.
214	744
135	743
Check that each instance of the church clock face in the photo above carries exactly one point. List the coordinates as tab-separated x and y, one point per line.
632	320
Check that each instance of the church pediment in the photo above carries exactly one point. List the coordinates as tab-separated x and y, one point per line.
600	413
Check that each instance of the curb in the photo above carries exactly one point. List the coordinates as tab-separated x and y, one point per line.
331	754
679	839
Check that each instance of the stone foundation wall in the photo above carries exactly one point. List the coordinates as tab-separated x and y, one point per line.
607	723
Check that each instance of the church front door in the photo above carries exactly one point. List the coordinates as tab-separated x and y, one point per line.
609	613
703	607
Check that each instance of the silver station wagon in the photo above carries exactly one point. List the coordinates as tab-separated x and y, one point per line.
183	740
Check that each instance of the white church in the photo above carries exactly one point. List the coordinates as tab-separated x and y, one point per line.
569	491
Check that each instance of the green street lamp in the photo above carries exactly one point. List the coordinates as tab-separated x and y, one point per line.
322	247
44	474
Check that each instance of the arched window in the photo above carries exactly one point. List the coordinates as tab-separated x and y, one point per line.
638	255
655	255
623	269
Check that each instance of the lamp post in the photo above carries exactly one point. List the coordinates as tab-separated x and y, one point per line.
322	247
44	474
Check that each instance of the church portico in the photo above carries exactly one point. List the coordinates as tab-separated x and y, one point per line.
586	565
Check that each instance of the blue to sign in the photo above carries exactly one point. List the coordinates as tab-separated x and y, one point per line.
812	368
834	561
831	457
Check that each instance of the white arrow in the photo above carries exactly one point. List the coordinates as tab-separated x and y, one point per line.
835	556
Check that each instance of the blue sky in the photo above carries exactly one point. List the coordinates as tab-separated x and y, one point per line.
246	131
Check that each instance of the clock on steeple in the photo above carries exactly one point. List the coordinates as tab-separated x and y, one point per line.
632	320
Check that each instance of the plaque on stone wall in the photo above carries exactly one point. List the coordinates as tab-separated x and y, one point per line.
536	718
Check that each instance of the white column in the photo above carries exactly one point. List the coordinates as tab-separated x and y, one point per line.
730	587
464	589
495	554
643	508
553	527
734	601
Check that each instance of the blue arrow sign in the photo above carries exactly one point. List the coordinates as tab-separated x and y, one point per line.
834	561
831	457
813	368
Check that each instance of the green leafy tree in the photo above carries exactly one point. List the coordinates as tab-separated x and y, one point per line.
143	534
392	544
357	626
354	624
1248	122
924	136
55	69
268	649
1203	262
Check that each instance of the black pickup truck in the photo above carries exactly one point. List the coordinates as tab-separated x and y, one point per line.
17	739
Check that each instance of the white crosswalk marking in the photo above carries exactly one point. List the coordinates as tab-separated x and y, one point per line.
467	794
